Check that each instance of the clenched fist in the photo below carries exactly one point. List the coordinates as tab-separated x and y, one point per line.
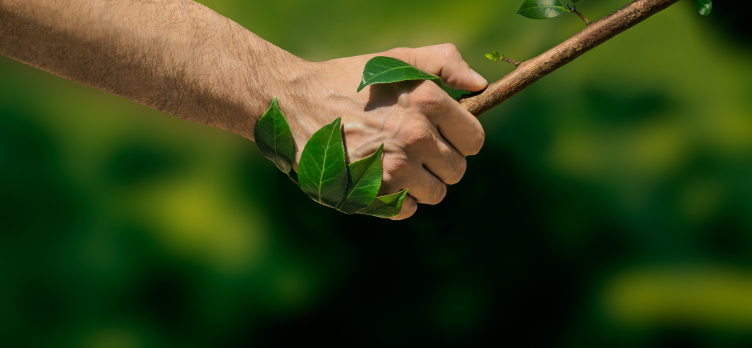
426	134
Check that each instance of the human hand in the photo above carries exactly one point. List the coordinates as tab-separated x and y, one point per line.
426	134
189	61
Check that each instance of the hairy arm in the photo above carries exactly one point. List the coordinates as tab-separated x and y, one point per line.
185	59
176	56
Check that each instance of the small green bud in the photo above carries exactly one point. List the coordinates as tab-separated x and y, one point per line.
494	56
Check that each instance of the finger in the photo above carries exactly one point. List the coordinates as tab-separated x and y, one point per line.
445	162
426	188
455	124
444	61
401	173
409	206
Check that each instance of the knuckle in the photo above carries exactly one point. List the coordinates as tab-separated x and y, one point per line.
394	166
425	98
452	54
477	143
450	49
415	133
436	192
457	167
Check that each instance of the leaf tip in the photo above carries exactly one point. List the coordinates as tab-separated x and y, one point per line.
400	200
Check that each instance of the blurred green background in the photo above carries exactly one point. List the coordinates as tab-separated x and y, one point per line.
610	207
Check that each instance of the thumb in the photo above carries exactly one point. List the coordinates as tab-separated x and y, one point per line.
444	61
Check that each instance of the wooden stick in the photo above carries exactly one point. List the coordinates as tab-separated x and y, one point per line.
534	69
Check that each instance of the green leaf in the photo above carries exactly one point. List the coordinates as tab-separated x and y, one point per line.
541	9
274	138
704	6
322	173
388	70
386	206
363	183
494	56
575	1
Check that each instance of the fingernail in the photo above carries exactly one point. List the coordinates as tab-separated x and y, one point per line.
479	78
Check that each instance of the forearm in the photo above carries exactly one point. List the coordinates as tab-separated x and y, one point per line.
172	55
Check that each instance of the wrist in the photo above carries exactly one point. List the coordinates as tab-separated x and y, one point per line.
259	72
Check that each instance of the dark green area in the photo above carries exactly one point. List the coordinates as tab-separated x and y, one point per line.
611	205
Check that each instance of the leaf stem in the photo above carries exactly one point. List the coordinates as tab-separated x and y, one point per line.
574	10
511	61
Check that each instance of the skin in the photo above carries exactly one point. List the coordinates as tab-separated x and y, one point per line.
182	58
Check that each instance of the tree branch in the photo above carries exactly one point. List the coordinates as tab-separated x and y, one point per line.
534	69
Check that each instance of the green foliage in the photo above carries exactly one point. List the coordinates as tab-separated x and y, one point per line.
324	177
494	55
275	140
322	172
386	206
363	183
704	6
388	70
541	9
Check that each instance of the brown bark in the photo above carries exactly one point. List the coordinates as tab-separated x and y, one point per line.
534	69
